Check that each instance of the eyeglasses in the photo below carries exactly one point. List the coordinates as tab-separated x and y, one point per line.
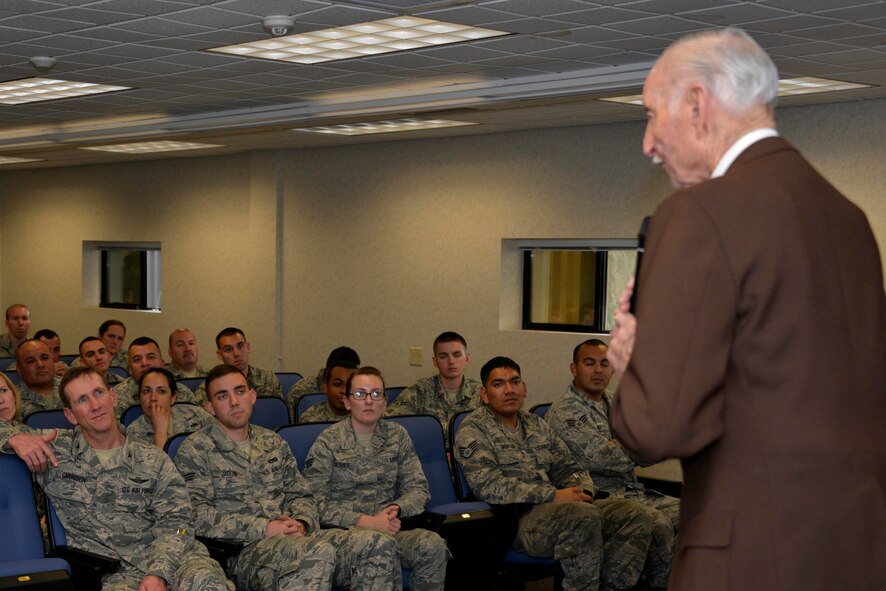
362	394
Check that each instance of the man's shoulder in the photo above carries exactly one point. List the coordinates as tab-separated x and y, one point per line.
264	436
567	405
318	413
261	373
144	456
472	385
200	442
479	420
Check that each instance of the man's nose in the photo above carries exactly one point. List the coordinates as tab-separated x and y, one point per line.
648	144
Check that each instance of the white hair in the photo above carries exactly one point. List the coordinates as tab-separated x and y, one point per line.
731	65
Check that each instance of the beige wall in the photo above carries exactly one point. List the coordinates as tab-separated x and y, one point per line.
378	246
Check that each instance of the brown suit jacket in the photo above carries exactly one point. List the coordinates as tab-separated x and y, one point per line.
760	361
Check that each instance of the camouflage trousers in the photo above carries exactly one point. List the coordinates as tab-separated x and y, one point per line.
606	540
361	560
661	549
669	506
426	554
197	572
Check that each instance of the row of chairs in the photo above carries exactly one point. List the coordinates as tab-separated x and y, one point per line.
269	412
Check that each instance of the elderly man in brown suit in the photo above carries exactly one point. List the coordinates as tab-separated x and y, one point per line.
758	349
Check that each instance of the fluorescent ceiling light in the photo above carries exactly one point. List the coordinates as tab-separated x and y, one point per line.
32	90
393	125
632	99
786	87
147	147
360	40
14	160
810	85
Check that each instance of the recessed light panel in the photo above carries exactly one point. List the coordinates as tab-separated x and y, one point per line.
786	87
370	127
633	99
14	160
32	90
810	85
360	40
147	147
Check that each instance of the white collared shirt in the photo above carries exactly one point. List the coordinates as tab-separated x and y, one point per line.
743	143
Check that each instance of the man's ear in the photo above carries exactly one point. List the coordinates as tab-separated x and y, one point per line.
698	99
483	396
70	416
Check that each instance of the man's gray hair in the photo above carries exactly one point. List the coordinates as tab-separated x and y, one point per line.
731	65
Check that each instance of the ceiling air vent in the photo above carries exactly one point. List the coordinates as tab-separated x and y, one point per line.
405	6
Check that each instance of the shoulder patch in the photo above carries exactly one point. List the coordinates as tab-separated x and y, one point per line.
468	450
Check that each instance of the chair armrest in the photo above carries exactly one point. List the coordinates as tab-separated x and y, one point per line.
87	568
84	558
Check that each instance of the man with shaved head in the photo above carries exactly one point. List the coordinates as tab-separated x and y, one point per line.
183	354
39	386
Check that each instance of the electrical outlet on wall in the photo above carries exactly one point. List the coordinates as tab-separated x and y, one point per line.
416	355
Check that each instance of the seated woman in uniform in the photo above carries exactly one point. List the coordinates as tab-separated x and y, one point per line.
364	472
163	418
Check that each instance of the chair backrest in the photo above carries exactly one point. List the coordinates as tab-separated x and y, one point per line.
392	392
6	362
130	414
48	419
13	376
464	491
18	512
427	437
269	412
173	443
306	402
68	359
300	439
119	371
191	383
540	409
287	380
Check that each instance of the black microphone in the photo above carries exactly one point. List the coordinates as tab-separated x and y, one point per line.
641	248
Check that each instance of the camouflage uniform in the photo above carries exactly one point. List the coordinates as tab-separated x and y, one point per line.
9	430
263	381
185	418
111	379
235	497
127	394
7	348
609	539
427	396
306	385
584	426
120	359
349	482
179	374
32	401
135	509
321	413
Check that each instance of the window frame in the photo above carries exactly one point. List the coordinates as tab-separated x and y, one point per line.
601	248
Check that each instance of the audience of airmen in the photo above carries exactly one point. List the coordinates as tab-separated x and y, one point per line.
340	523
